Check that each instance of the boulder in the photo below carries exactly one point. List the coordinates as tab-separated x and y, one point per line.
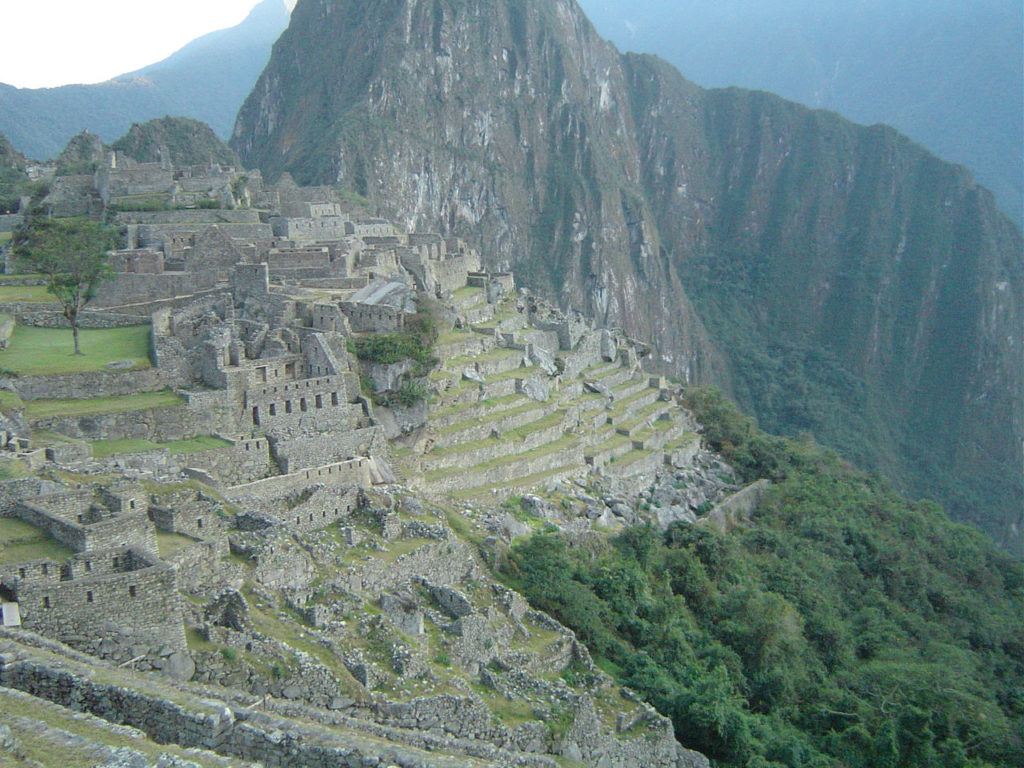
535	388
180	666
471	374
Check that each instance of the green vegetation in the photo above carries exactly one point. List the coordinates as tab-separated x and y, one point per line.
186	141
415	343
168	544
27	293
44	351
72	255
20	542
96	406
846	628
104	448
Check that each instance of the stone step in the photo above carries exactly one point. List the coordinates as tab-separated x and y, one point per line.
483	421
610	375
636	462
629	387
443	418
461	344
644	416
624	410
659	434
519	485
565	452
608	450
525	438
493	361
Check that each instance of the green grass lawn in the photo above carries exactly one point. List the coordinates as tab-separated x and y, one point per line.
28	293
20	541
101	449
48	409
169	543
46	351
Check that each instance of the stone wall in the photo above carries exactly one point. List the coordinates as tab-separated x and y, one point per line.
51	316
190	217
195	719
130	530
143	604
368	318
136	288
201	563
328	498
243	461
317	449
86	385
155	424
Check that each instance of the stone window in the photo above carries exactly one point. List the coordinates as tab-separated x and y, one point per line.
117	561
273	412
256	415
88	597
88	566
334	398
131	590
131	504
199	522
302	404
287	406
319	401
46	602
45	569
21	573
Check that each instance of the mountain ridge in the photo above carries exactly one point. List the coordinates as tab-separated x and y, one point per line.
608	182
41	121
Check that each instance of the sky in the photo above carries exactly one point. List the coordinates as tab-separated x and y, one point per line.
46	43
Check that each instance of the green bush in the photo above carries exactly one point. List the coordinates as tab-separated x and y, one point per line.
845	628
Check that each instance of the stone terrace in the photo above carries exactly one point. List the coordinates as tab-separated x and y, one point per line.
505	420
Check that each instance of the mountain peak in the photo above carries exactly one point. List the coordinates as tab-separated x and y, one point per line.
818	270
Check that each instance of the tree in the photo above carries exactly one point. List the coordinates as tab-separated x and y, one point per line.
72	255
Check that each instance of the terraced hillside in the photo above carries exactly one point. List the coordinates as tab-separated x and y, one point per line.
509	414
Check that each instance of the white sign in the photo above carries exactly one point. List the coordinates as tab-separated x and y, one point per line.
12	616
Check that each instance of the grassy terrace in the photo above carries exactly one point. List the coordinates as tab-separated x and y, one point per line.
168	544
46	351
620	407
20	541
27	293
101	449
466	291
535	480
641	414
496	410
52	735
96	406
10	401
566	442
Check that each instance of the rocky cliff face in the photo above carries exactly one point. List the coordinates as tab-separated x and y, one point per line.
837	279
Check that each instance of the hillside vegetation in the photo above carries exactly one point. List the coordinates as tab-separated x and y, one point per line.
845	626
